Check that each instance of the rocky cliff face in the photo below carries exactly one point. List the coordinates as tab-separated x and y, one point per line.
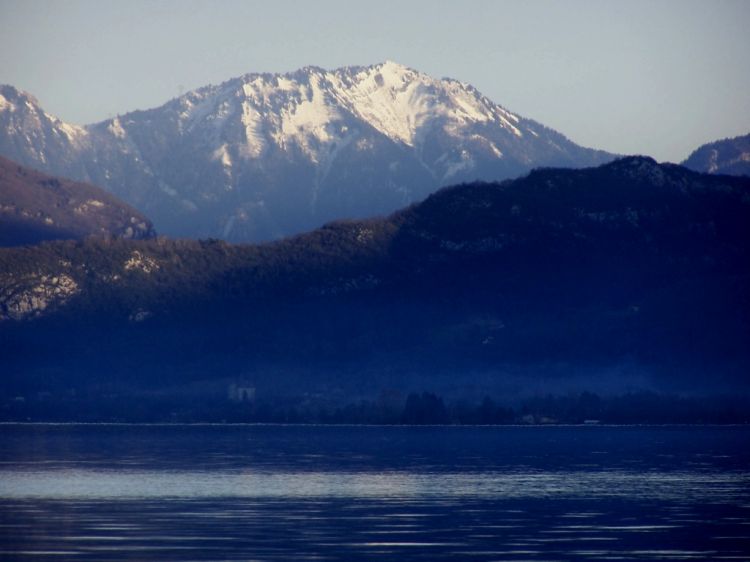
266	155
29	296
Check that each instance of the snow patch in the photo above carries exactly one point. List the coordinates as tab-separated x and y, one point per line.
465	162
87	205
468	107
5	104
308	122
253	121
391	98
172	192
510	126
115	128
222	155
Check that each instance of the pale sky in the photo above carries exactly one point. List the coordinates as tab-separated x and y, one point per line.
632	77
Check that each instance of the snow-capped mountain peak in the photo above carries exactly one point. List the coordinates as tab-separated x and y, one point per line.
310	107
26	111
263	155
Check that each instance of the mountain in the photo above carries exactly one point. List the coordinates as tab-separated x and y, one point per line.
266	155
629	275
728	156
36	207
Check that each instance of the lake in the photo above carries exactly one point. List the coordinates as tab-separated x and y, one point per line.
119	492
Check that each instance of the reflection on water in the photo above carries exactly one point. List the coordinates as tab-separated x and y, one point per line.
347	494
139	484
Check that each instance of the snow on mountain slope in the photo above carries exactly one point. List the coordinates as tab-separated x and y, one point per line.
30	135
266	155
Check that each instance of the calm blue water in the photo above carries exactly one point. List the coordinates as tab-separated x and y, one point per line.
373	493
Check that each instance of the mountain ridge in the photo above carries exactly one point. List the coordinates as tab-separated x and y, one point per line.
264	155
726	156
632	267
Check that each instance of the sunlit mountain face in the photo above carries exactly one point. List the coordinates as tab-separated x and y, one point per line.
267	155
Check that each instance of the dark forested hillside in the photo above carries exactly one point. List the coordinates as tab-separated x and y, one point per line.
628	276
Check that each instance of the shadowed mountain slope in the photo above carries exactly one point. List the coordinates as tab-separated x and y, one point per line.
632	268
728	156
36	207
